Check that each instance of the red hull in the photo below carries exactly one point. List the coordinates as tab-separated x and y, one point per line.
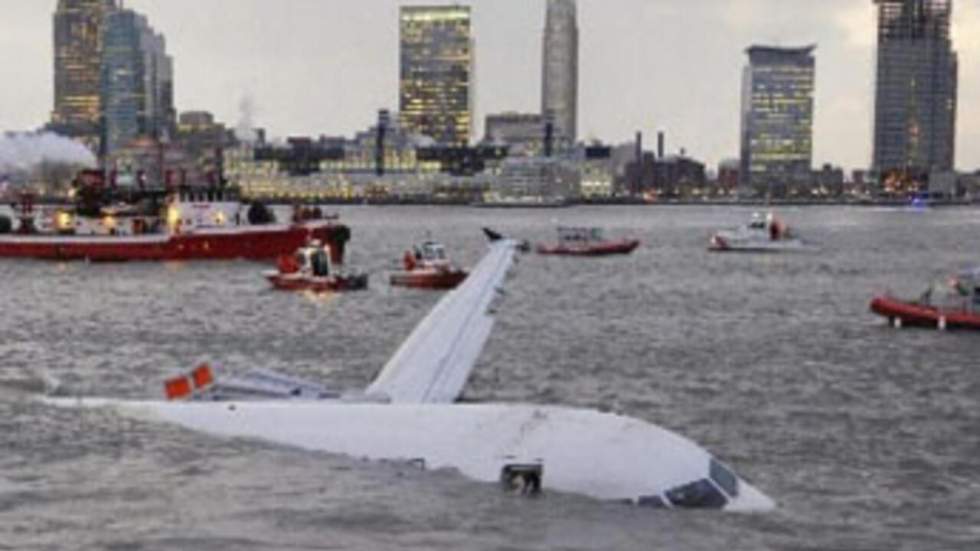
918	315
599	249
283	282
429	279
254	243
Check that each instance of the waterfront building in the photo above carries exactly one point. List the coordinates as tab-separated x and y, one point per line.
204	140
78	29
828	181
559	97
522	133
777	120
728	175
137	88
680	177
916	93
596	173
436	82
387	147
526	135
148	163
538	177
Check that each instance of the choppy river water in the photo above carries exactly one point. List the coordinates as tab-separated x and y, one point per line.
866	436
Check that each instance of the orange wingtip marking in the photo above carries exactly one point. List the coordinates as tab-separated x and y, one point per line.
178	388
202	376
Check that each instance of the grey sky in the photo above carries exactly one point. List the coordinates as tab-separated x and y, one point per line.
326	66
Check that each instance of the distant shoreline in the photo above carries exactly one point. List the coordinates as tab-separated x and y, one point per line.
625	202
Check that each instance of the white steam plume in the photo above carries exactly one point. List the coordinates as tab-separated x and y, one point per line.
25	151
245	130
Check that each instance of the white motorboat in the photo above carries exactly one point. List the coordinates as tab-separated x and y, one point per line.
763	234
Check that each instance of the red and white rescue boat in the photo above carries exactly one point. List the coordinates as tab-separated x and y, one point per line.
428	267
310	268
587	242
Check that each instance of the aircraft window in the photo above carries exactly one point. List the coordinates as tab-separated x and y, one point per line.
724	478
697	495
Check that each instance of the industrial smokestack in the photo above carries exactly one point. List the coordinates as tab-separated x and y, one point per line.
661	144
549	138
384	119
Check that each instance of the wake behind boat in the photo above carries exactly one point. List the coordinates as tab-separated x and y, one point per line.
954	304
763	234
410	414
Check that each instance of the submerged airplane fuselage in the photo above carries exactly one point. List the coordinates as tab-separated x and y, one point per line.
585	452
409	413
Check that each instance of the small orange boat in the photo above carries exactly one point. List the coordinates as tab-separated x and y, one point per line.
955	305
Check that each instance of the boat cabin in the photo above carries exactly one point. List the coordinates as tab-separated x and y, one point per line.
967	284
313	260
760	222
431	252
960	292
580	235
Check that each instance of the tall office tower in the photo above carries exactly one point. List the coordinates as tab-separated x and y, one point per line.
78	28
915	103
437	72
777	119
137	82
559	90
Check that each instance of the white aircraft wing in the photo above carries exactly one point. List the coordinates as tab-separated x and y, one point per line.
433	365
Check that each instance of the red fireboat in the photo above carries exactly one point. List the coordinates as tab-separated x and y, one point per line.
587	242
428	267
112	224
310	269
954	305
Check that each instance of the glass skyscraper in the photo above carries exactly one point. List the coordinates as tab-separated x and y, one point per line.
915	104
559	97
136	82
436	93
777	120
78	26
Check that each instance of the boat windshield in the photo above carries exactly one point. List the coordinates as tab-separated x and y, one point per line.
433	251
580	234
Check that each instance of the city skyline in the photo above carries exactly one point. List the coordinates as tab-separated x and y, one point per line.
629	81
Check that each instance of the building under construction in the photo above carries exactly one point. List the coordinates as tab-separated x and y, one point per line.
915	107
